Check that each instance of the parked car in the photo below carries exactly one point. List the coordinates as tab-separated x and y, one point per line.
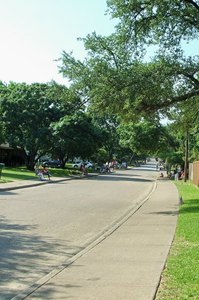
51	163
87	164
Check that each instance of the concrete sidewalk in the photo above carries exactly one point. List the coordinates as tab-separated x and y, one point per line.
125	263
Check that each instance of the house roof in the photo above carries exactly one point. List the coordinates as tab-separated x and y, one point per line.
5	146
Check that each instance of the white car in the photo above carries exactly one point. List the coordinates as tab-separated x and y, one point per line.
87	164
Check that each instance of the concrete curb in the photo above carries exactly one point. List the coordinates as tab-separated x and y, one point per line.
33	183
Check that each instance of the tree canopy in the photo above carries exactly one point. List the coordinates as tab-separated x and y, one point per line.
116	76
160	21
75	136
27	113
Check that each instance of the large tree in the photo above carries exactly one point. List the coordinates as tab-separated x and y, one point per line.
185	127
146	138
108	125
115	76
28	111
160	21
2	139
75	136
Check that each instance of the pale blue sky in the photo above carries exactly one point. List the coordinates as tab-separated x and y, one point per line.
35	32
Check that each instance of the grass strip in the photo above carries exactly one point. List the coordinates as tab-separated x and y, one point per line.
22	173
180	279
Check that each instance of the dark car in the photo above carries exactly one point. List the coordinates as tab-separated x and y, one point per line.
51	163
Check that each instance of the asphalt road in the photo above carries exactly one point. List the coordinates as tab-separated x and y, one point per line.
41	227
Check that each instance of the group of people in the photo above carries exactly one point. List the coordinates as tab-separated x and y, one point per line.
42	172
177	174
108	166
106	169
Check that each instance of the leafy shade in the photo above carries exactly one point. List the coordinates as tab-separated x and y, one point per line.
115	76
75	136
162	22
146	138
28	111
141	138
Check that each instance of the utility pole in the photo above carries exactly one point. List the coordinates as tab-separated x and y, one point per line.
186	156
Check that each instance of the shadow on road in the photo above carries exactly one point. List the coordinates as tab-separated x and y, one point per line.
130	174
120	177
25	257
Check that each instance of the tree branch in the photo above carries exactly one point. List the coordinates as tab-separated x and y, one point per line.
190	76
170	101
192	3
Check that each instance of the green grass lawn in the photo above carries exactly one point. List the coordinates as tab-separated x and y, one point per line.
180	278
21	173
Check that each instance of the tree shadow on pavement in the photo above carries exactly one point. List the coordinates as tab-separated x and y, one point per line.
115	177
165	213
25	257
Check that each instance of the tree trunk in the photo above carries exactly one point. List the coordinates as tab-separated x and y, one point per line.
130	161
31	163
21	152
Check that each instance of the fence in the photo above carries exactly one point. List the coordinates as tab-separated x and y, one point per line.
195	173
